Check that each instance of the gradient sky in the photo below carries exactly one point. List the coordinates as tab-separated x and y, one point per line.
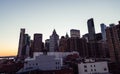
42	16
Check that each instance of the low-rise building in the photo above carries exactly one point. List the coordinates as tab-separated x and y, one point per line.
42	63
93	68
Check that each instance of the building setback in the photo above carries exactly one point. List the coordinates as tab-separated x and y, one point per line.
113	41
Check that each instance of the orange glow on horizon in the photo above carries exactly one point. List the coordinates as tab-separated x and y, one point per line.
8	50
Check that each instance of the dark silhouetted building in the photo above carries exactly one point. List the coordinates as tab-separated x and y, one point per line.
21	42
24	45
37	44
103	27
54	38
47	44
63	45
91	29
75	33
113	41
98	36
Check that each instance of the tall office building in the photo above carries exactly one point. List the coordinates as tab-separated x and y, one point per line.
24	45
21	42
26	50
54	38
63	44
113	41
91	29
47	44
75	33
37	44
103	27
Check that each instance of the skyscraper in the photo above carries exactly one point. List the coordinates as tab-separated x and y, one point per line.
103	27
63	44
37	44
113	41
54	38
24	45
75	33
47	44
21	42
91	29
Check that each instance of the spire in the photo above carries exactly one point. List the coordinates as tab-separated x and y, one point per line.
67	36
54	31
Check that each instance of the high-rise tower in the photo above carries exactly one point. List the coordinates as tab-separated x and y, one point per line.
75	33
103	27
21	42
24	45
91	29
54	38
37	44
113	41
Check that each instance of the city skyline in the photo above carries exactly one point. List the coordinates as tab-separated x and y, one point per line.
43	16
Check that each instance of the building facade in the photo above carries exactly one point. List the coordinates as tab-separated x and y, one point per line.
24	45
113	41
21	42
47	44
91	29
103	27
42	63
93	68
54	39
75	33
37	44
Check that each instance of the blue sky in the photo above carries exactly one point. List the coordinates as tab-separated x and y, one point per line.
42	16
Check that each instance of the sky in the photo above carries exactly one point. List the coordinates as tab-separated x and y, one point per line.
42	16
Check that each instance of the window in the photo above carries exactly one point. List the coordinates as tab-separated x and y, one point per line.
56	67
36	63
91	65
56	62
85	66
105	69
94	69
91	69
85	70
29	64
94	65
